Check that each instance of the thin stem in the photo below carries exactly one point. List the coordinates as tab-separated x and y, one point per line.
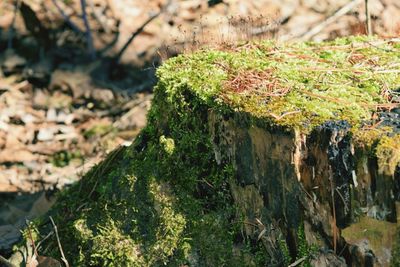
66	18
136	33
59	243
339	13
11	30
88	33
368	18
139	30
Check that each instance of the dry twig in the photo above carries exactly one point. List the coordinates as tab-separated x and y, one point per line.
11	30
334	227
368	18
88	33
59	243
140	29
279	117
339	13
66	18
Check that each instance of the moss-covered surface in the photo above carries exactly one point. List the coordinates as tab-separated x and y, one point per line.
301	85
165	201
380	236
396	250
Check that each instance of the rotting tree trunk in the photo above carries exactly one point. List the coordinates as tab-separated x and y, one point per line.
255	156
318	182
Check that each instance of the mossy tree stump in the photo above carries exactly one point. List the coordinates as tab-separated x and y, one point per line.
258	154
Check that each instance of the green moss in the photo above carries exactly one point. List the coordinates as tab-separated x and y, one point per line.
369	138
63	158
300	85
379	234
396	250
124	248
168	144
285	252
304	249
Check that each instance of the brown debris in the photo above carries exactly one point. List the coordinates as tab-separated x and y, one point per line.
262	82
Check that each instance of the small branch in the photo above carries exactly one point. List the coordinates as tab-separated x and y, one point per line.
44	239
66	18
35	27
139	30
368	18
334	227
88	33
11	30
136	33
59	243
97	16
339	13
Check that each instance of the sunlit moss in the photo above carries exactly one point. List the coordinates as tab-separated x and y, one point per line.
321	81
297	86
388	154
396	250
380	235
168	144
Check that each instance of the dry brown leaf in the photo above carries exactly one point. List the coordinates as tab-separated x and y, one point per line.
8	188
16	155
45	149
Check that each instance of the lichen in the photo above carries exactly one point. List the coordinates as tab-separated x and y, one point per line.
368	139
388	154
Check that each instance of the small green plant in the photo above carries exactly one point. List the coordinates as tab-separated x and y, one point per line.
304	249
63	158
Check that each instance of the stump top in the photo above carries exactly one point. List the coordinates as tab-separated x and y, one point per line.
300	86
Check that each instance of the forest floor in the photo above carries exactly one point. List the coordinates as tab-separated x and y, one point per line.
62	110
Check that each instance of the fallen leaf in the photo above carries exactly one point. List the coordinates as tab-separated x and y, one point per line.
16	155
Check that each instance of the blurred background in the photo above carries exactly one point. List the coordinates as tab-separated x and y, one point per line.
76	76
